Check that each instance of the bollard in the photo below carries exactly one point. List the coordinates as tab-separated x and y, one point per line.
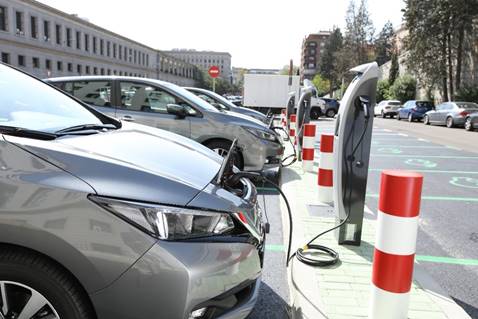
395	244
283	118
308	143
325	178
293	119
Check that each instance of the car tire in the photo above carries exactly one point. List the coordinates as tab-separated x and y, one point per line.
330	113
398	117
468	124
383	114
314	114
25	275
221	147
449	122
426	120
410	117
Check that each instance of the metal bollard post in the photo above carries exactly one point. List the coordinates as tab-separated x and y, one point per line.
308	143
395	244
325	178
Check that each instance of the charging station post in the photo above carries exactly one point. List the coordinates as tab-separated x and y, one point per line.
353	134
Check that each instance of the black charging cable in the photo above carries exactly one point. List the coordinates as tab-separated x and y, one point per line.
292	156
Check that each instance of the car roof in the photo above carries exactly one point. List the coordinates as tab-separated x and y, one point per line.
105	77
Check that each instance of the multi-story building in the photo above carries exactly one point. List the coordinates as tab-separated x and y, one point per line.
312	48
47	42
206	59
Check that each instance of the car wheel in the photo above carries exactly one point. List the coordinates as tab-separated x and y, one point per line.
449	122
426	120
468	125
410	117
33	287
330	113
398	117
222	148
383	114
314	114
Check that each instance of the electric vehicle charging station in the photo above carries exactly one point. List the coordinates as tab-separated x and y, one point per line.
290	107
352	142
303	111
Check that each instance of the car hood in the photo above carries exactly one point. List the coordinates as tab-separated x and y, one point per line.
240	119
256	114
134	162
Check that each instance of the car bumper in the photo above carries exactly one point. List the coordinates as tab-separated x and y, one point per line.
459	120
262	155
175	278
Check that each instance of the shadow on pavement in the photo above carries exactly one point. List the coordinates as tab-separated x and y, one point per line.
471	310
269	305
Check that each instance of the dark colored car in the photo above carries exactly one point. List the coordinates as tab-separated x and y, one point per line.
471	122
414	110
329	108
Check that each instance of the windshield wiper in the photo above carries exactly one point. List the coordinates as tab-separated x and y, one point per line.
86	127
23	132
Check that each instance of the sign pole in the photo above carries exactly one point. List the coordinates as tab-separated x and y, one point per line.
214	84
214	73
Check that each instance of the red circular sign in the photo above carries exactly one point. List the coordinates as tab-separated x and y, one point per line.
214	71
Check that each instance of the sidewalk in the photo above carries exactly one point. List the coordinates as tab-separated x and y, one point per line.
343	290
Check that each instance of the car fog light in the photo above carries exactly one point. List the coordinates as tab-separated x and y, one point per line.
197	314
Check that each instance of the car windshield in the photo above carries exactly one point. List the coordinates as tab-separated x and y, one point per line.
191	97
394	103
425	104
467	105
221	100
29	103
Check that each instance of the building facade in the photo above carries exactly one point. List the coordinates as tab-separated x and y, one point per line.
205	59
312	48
47	42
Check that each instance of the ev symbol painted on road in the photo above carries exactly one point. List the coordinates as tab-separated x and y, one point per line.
467	182
389	150
421	163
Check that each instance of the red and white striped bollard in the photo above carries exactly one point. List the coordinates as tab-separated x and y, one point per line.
308	143
395	244
293	127
326	166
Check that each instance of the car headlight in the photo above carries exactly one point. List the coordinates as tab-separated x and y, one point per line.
262	134
168	222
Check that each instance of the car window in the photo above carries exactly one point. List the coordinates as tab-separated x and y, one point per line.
211	101
42	109
147	98
394	103
424	104
467	105
96	93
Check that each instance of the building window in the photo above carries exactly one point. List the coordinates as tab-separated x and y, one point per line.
68	37
87	69
147	60
108	72
125	54
21	60
78	68
102	71
102	47
46	31
95	70
108	51
70	67
94	45
114	50
87	42
58	34
34	27
5	57
130	55
78	40
36	63
48	64
3	18
19	23
120	52
59	66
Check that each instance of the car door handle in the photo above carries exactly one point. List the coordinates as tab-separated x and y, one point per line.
128	118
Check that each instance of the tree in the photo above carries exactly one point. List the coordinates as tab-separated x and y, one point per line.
384	44
394	69
328	67
404	89
383	87
322	85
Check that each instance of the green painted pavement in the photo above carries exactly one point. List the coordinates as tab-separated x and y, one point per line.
426	171
424	156
423	258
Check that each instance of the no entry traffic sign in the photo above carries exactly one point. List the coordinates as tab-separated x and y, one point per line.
214	71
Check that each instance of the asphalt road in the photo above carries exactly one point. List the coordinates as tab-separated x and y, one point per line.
447	245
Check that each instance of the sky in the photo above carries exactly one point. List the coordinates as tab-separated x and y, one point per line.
257	33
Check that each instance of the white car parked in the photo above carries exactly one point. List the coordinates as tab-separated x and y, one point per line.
387	108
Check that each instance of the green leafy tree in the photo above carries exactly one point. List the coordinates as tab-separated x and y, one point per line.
394	69
383	87
404	89
328	66
322	85
384	44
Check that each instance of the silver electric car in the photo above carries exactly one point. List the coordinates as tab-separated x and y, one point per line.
221	103
104	219
164	105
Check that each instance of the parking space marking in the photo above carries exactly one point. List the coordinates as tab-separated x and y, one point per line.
411	156
441	198
466	182
414	146
421	163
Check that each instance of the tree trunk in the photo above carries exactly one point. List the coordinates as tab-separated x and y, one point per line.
450	67
443	66
459	55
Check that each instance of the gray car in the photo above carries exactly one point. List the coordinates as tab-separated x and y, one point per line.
450	114
222	103
167	106
101	219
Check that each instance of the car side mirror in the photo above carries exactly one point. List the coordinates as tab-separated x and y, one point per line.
176	109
